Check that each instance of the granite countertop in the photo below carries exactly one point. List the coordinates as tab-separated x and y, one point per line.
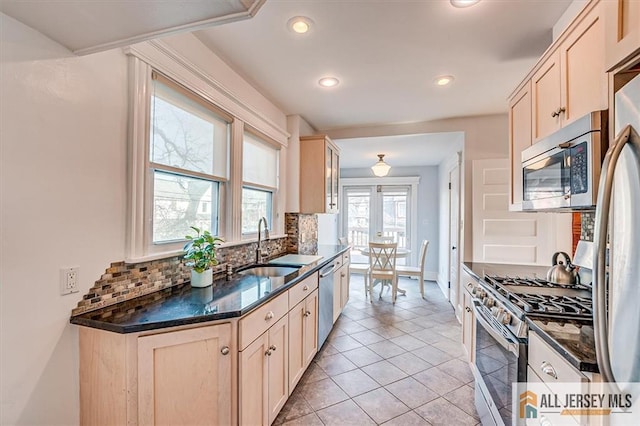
573	340
183	304
479	270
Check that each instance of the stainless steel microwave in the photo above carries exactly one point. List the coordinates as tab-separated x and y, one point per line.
562	170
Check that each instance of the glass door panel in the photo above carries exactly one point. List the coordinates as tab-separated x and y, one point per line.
357	220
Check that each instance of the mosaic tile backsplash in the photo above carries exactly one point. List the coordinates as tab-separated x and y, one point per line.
302	233
122	281
587	222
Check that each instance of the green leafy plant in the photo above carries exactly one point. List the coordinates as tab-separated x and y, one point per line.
201	250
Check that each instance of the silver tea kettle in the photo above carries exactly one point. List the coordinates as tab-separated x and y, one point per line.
560	273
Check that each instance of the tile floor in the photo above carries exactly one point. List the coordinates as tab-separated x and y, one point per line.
385	364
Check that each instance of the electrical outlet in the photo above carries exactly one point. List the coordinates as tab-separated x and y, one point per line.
69	280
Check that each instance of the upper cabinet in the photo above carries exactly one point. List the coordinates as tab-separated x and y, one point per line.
572	80
622	26
319	174
569	81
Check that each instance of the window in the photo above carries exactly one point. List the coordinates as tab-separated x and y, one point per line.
259	182
188	146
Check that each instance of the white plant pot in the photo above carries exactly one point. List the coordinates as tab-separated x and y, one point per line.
201	279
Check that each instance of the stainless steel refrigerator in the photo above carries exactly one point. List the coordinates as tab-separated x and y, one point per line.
617	247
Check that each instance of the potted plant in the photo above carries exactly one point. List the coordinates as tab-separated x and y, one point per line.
201	256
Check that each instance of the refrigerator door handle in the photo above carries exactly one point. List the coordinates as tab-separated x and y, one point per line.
603	206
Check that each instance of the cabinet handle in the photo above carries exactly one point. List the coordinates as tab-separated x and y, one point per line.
272	348
560	110
268	316
224	350
468	309
343	275
268	352
307	313
548	369
305	288
469	285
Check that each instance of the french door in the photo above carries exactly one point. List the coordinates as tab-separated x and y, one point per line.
376	213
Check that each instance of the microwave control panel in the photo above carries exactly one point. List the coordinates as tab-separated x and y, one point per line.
579	158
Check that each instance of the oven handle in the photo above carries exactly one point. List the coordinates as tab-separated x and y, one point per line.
503	341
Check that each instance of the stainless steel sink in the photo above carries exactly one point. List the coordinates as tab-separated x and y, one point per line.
269	270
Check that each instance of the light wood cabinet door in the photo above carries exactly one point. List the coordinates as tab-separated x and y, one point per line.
622	31
184	377
278	369
311	328
545	98
468	326
344	286
253	382
303	337
519	139
582	55
319	174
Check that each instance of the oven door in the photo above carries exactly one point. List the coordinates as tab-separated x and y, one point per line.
546	181
500	361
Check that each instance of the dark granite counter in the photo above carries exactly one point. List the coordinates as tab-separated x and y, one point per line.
479	270
573	340
183	304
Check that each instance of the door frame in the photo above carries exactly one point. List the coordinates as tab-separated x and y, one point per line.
410	181
457	164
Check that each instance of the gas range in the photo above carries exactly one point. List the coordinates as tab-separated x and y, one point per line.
508	300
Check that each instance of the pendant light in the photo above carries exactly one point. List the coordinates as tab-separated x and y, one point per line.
381	168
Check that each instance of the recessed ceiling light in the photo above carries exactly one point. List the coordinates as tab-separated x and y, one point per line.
299	24
443	80
464	3
328	82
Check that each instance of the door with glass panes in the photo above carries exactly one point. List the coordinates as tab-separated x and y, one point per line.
376	213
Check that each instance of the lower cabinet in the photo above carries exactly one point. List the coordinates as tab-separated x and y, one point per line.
345	276
468	326
264	384
172	391
303	337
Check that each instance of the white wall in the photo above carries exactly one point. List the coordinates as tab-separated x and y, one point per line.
63	124
428	206
63	121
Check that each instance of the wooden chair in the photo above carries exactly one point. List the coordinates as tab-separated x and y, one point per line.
413	271
382	268
343	241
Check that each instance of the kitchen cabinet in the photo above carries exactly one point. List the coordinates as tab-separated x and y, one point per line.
263	370
319	175
199	391
468	317
184	376
519	139
345	276
622	26
303	337
572	80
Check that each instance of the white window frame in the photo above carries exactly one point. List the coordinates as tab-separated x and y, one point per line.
155	55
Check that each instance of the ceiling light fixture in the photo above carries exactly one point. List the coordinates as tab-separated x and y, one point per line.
464	3
328	82
299	24
381	168
443	80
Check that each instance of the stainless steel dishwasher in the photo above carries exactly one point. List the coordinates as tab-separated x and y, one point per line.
325	300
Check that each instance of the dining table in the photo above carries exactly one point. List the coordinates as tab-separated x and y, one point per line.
400	254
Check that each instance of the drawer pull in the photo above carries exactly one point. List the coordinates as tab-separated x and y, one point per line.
468	309
469	285
548	369
268	316
307	313
224	350
268	352
272	348
305	288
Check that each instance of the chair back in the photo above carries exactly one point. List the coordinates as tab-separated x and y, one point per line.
382	256
423	253
343	241
383	239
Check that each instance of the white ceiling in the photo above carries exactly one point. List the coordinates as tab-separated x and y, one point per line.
427	149
87	26
386	55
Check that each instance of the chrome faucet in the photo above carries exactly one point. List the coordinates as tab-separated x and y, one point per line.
259	253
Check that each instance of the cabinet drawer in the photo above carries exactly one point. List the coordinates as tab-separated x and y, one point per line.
549	365
533	377
346	258
258	321
303	289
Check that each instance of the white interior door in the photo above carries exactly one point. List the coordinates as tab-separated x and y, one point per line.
454	236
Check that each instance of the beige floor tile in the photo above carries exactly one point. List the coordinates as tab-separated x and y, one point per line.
463	398
407	419
442	412
367	337
322	393
344	413
335	364
355	382
437	380
409	363
381	405
411	392
345	343
362	356
308	420
384	372
386	349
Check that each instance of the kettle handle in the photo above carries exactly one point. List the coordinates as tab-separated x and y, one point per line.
566	258
554	259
